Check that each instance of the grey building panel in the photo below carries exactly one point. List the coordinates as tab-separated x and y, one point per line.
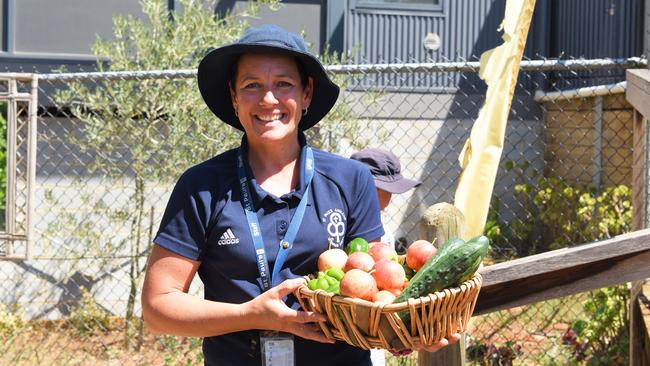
597	28
3	31
65	26
646	29
308	16
466	29
594	29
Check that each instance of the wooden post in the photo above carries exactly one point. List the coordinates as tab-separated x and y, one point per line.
440	222
638	93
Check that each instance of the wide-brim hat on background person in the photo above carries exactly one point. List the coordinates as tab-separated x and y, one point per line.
386	170
215	70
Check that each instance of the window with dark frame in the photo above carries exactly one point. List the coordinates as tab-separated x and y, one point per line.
426	5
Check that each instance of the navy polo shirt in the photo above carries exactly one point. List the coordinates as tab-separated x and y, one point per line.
205	221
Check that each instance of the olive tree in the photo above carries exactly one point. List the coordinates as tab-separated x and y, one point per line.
148	130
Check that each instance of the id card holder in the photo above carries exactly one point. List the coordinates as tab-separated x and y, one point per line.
277	349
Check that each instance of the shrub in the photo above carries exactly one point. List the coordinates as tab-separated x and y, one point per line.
10	321
88	317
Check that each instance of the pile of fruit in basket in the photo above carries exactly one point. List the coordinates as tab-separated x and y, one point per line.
375	272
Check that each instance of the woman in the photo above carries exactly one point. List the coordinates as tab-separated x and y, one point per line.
253	220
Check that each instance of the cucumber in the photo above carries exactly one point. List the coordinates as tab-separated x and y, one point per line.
450	245
456	262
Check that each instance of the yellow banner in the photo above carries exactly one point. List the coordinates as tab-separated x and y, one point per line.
481	154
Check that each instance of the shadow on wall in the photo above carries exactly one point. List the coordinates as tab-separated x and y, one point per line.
71	288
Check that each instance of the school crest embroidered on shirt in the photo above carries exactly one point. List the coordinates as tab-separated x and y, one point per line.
335	224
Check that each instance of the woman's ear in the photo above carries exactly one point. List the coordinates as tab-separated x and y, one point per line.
308	93
233	97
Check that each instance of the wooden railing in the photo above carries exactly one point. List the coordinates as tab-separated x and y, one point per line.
637	94
565	272
550	275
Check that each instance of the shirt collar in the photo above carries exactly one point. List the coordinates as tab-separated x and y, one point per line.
258	193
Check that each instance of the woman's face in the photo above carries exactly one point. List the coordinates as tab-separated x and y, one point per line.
269	96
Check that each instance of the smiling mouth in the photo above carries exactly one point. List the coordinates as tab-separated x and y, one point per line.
271	117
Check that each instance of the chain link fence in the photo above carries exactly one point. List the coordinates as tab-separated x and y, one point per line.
111	145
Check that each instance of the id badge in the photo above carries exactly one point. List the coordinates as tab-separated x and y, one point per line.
277	349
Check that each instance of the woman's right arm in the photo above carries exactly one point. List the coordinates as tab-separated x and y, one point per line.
168	308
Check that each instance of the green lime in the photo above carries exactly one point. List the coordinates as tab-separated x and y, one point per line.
331	280
322	284
334	288
358	245
336	273
313	284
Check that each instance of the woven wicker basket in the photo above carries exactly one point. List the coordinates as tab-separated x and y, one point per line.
366	325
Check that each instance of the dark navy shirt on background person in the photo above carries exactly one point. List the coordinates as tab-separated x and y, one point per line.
205	221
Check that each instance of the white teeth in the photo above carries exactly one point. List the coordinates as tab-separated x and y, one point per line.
270	117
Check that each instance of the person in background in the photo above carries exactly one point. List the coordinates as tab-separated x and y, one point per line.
252	221
386	172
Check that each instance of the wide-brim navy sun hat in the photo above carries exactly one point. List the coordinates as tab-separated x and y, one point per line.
215	69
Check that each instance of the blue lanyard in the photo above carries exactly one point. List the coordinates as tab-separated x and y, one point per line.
253	223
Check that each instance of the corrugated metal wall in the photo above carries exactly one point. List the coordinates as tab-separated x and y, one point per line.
378	35
467	28
596	28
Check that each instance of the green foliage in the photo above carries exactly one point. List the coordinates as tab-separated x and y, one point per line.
602	339
147	130
565	214
574	215
88	317
190	347
404	360
162	122
568	215
11	321
342	123
492	354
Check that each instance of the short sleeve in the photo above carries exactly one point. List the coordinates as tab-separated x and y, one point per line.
184	224
364	217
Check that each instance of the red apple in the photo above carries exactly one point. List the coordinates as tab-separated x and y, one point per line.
384	296
332	258
389	275
418	253
357	283
359	260
381	251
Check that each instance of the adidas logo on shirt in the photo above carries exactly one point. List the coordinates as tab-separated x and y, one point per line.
228	238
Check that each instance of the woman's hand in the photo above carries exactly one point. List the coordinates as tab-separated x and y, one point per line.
269	312
432	348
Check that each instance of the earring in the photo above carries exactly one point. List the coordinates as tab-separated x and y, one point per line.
304	112
236	113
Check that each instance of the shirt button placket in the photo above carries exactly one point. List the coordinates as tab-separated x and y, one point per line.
282	224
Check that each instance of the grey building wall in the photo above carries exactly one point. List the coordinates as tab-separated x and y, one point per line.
306	17
467	28
40	35
65	27
597	28
43	35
